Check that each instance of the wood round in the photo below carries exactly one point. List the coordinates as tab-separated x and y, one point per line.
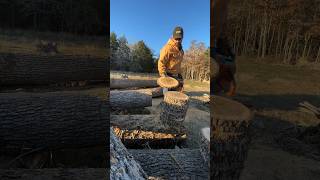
167	82
230	138
174	108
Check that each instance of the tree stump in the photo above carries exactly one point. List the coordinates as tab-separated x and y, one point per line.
205	144
230	138
174	108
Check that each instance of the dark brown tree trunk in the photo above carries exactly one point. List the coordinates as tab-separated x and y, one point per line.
129	99
53	174
52	120
17	69
132	83
123	165
172	163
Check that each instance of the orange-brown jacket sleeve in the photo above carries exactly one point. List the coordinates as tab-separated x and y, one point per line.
163	60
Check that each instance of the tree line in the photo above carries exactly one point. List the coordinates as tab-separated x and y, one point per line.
287	30
140	58
72	16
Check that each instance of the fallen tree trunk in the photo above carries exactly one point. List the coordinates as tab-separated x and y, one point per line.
18	69
117	83
172	163
129	99
52	120
53	174
155	92
139	130
123	165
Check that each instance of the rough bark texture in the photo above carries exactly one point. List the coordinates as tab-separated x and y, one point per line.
123	165
205	144
155	92
172	163
174	108
139	130
117	83
53	174
229	138
52	120
17	69
129	99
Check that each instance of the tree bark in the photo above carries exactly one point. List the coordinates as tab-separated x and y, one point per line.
53	174
52	120
205	144
130	99
123	165
18	69
229	138
116	83
155	92
172	163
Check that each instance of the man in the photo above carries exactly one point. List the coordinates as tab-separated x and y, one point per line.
223	66
171	56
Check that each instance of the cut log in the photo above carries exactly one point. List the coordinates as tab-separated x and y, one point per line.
205	144
123	165
174	108
52	120
139	130
17	69
172	163
155	92
53	174
229	138
117	83
129	99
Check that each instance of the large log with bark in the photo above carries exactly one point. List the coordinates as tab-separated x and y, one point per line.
53	174
22	69
130	99
174	108
155	92
125	83
139	130
172	163
230	138
123	165
52	120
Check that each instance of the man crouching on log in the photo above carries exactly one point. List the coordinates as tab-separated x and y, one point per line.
171	56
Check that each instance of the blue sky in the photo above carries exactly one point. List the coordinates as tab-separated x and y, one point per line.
153	21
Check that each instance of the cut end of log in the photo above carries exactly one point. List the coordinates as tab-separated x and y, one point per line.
178	96
167	82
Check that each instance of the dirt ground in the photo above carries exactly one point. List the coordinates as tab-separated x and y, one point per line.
273	92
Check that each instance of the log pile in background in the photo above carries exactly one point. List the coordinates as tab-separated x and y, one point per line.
19	70
125	83
229	138
130	99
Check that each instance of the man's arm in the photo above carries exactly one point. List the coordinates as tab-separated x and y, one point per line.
163	60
